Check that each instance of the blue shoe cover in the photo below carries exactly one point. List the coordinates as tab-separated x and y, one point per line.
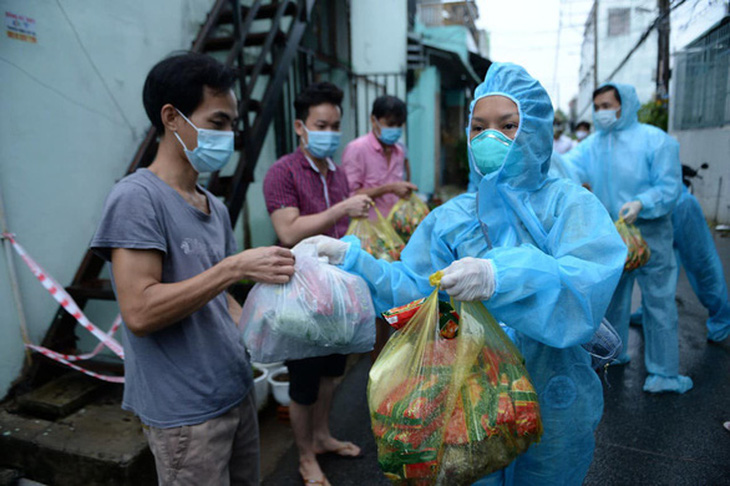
637	318
661	384
719	336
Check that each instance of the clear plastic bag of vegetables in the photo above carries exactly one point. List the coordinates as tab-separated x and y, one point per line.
639	252
377	237
406	215
322	310
450	408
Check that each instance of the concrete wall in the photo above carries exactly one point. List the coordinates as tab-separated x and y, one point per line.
710	145
706	145
72	119
424	130
379	33
379	36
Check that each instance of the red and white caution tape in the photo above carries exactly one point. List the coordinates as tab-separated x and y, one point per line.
67	302
61	358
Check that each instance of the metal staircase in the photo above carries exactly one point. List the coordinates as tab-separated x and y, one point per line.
263	59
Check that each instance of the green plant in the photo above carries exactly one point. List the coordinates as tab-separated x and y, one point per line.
655	113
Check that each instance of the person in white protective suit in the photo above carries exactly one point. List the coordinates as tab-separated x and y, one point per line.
541	253
634	169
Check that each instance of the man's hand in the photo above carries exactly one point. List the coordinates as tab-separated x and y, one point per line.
630	211
357	206
334	250
270	264
403	189
469	279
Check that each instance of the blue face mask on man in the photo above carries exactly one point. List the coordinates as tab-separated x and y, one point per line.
389	135
605	119
489	149
322	144
214	149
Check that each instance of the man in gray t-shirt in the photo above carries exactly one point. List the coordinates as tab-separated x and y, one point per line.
173	256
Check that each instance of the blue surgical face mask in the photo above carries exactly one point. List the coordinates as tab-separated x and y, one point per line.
489	149
605	119
389	135
322	144
214	149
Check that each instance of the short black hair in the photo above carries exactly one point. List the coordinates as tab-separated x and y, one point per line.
606	89
390	107
317	94
179	80
583	124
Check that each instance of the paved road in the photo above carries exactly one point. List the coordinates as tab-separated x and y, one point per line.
643	439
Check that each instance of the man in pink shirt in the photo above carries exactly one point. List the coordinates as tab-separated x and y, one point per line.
374	163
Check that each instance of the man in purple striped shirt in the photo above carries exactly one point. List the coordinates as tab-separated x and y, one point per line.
307	195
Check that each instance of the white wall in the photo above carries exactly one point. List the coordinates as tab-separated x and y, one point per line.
706	145
691	19
639	71
379	33
710	145
379	36
72	120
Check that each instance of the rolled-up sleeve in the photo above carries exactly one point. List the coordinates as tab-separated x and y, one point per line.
279	188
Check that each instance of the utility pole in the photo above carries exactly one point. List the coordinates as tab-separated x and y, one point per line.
662	66
595	44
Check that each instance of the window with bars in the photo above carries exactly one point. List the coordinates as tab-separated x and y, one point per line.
702	74
619	21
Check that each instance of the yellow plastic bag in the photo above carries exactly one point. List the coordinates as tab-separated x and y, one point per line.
406	215
377	237
450	411
639	252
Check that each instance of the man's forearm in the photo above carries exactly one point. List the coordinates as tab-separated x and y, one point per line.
163	304
375	192
292	232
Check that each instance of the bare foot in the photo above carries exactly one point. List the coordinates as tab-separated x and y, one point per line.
341	448
311	472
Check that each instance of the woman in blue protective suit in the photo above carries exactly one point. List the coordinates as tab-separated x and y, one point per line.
542	254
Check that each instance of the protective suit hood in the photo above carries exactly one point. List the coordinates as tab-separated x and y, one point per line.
629	106
528	159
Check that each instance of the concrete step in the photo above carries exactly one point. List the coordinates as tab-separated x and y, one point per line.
60	397
98	444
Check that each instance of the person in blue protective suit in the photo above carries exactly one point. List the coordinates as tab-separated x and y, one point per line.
696	252
634	169
542	254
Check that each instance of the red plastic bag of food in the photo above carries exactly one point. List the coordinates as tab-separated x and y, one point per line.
450	410
639	252
377	237
406	215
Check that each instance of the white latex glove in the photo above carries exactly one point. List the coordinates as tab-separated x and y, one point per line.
630	211
469	279
331	248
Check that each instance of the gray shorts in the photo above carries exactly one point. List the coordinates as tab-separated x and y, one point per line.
222	451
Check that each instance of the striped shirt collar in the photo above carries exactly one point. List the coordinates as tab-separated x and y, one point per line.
330	164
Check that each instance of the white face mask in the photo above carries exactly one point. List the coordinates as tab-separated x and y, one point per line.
581	134
605	119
